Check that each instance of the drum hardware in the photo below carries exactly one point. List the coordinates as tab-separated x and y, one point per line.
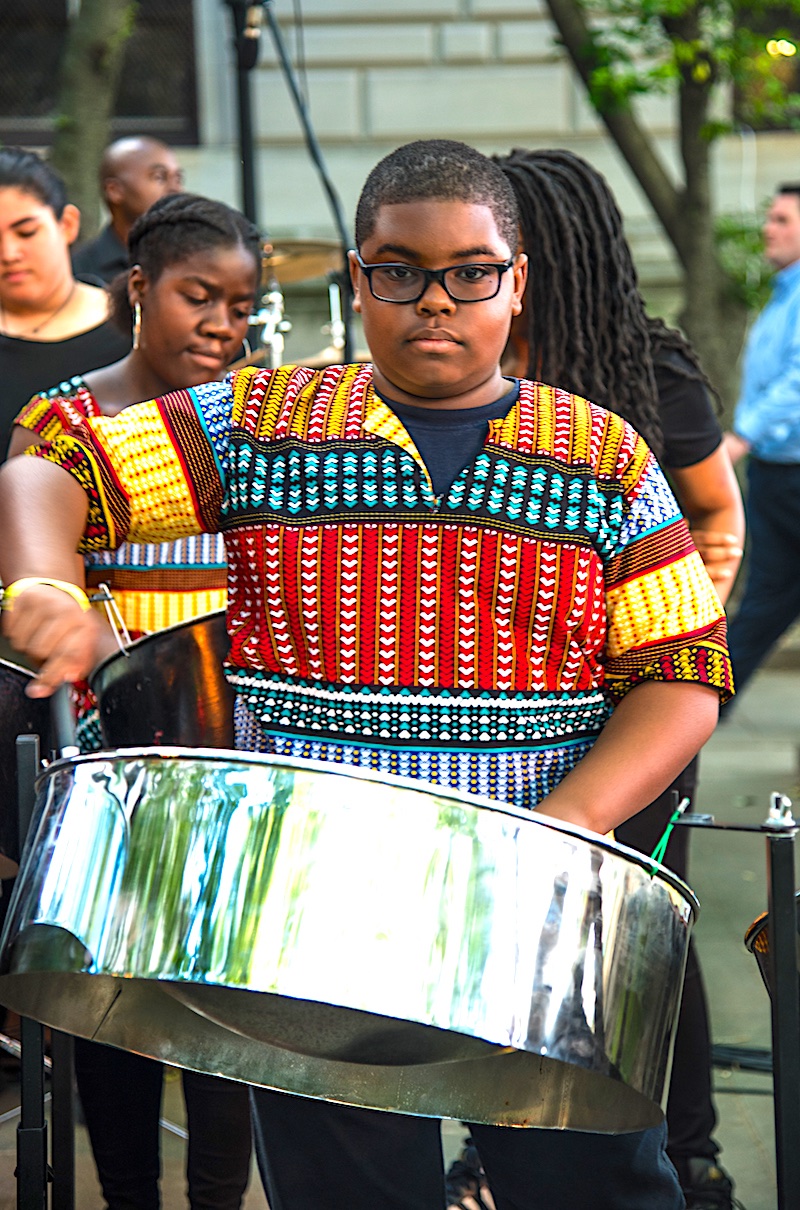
681	807
284	263
295	260
104	596
780	829
33	1172
32	1165
271	325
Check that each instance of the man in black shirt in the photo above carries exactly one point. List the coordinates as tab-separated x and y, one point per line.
134	173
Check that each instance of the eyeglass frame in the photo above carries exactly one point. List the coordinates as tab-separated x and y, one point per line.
433	275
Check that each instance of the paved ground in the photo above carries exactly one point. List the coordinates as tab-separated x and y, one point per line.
754	753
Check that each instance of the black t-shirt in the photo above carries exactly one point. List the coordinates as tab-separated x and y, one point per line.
28	366
101	260
691	429
450	440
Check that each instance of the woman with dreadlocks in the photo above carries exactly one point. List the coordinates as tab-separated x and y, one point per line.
584	327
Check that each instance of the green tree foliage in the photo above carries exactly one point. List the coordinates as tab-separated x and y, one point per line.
707	54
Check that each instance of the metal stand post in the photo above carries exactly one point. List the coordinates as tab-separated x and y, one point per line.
62	1050
785	1015
32	1171
780	829
245	42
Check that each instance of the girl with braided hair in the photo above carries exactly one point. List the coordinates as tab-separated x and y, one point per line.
188	295
584	327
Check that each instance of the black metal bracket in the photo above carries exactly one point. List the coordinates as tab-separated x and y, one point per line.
33	1172
780	830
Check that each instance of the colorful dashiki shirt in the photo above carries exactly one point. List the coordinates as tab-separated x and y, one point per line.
154	585
477	640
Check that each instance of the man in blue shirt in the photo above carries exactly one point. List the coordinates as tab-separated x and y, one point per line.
767	427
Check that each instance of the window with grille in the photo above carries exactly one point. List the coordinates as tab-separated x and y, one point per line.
157	93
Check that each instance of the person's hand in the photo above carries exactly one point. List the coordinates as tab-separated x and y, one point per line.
51	628
736	446
721	553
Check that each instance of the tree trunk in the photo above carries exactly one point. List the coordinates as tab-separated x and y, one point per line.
712	316
90	71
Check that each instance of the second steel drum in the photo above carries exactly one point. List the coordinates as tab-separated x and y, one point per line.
345	936
757	941
168	688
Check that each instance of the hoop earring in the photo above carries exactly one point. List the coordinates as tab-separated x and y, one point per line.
137	324
248	352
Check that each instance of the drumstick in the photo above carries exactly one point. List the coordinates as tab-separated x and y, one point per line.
62	721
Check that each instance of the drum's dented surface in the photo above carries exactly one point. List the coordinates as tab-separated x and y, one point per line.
348	937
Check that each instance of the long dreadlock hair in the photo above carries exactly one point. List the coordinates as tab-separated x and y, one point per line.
587	329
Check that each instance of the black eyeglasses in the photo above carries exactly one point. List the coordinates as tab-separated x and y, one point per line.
399	283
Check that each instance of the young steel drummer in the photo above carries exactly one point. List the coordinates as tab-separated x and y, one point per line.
434	571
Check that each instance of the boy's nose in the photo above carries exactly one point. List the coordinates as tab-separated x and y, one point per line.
436	299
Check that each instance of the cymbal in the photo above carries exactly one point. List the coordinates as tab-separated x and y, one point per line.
293	260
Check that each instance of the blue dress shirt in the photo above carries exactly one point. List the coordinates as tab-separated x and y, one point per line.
768	411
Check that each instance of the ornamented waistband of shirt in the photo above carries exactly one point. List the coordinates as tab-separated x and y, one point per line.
419	717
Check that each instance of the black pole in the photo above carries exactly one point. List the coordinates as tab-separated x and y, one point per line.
785	1015
32	1167
245	43
315	151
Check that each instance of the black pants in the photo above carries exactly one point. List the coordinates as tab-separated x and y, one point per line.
121	1097
771	600
317	1156
691	1119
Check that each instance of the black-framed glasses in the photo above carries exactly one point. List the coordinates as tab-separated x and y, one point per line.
399	283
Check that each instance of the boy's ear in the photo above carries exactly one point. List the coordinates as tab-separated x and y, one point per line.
520	271
355	280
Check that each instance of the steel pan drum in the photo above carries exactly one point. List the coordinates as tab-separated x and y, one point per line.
168	688
348	937
19	715
757	941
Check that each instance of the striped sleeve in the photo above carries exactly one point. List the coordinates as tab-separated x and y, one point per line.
665	620
152	473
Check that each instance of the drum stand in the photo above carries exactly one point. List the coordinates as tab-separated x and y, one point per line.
33	1171
780	829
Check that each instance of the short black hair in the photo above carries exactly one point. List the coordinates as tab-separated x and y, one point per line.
795	189
438	169
176	227
28	172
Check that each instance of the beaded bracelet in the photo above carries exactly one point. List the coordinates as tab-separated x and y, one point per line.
12	591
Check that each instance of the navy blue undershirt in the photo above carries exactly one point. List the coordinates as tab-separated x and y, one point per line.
449	440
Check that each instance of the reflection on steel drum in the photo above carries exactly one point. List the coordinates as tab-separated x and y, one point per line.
354	937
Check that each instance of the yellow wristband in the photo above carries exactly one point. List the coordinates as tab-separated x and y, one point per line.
14	590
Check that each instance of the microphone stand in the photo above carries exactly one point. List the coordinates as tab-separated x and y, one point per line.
315	151
247	19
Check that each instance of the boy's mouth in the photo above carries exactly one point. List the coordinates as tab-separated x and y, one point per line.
434	339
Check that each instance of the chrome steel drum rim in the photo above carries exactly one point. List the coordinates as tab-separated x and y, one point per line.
336	933
351	772
146	640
